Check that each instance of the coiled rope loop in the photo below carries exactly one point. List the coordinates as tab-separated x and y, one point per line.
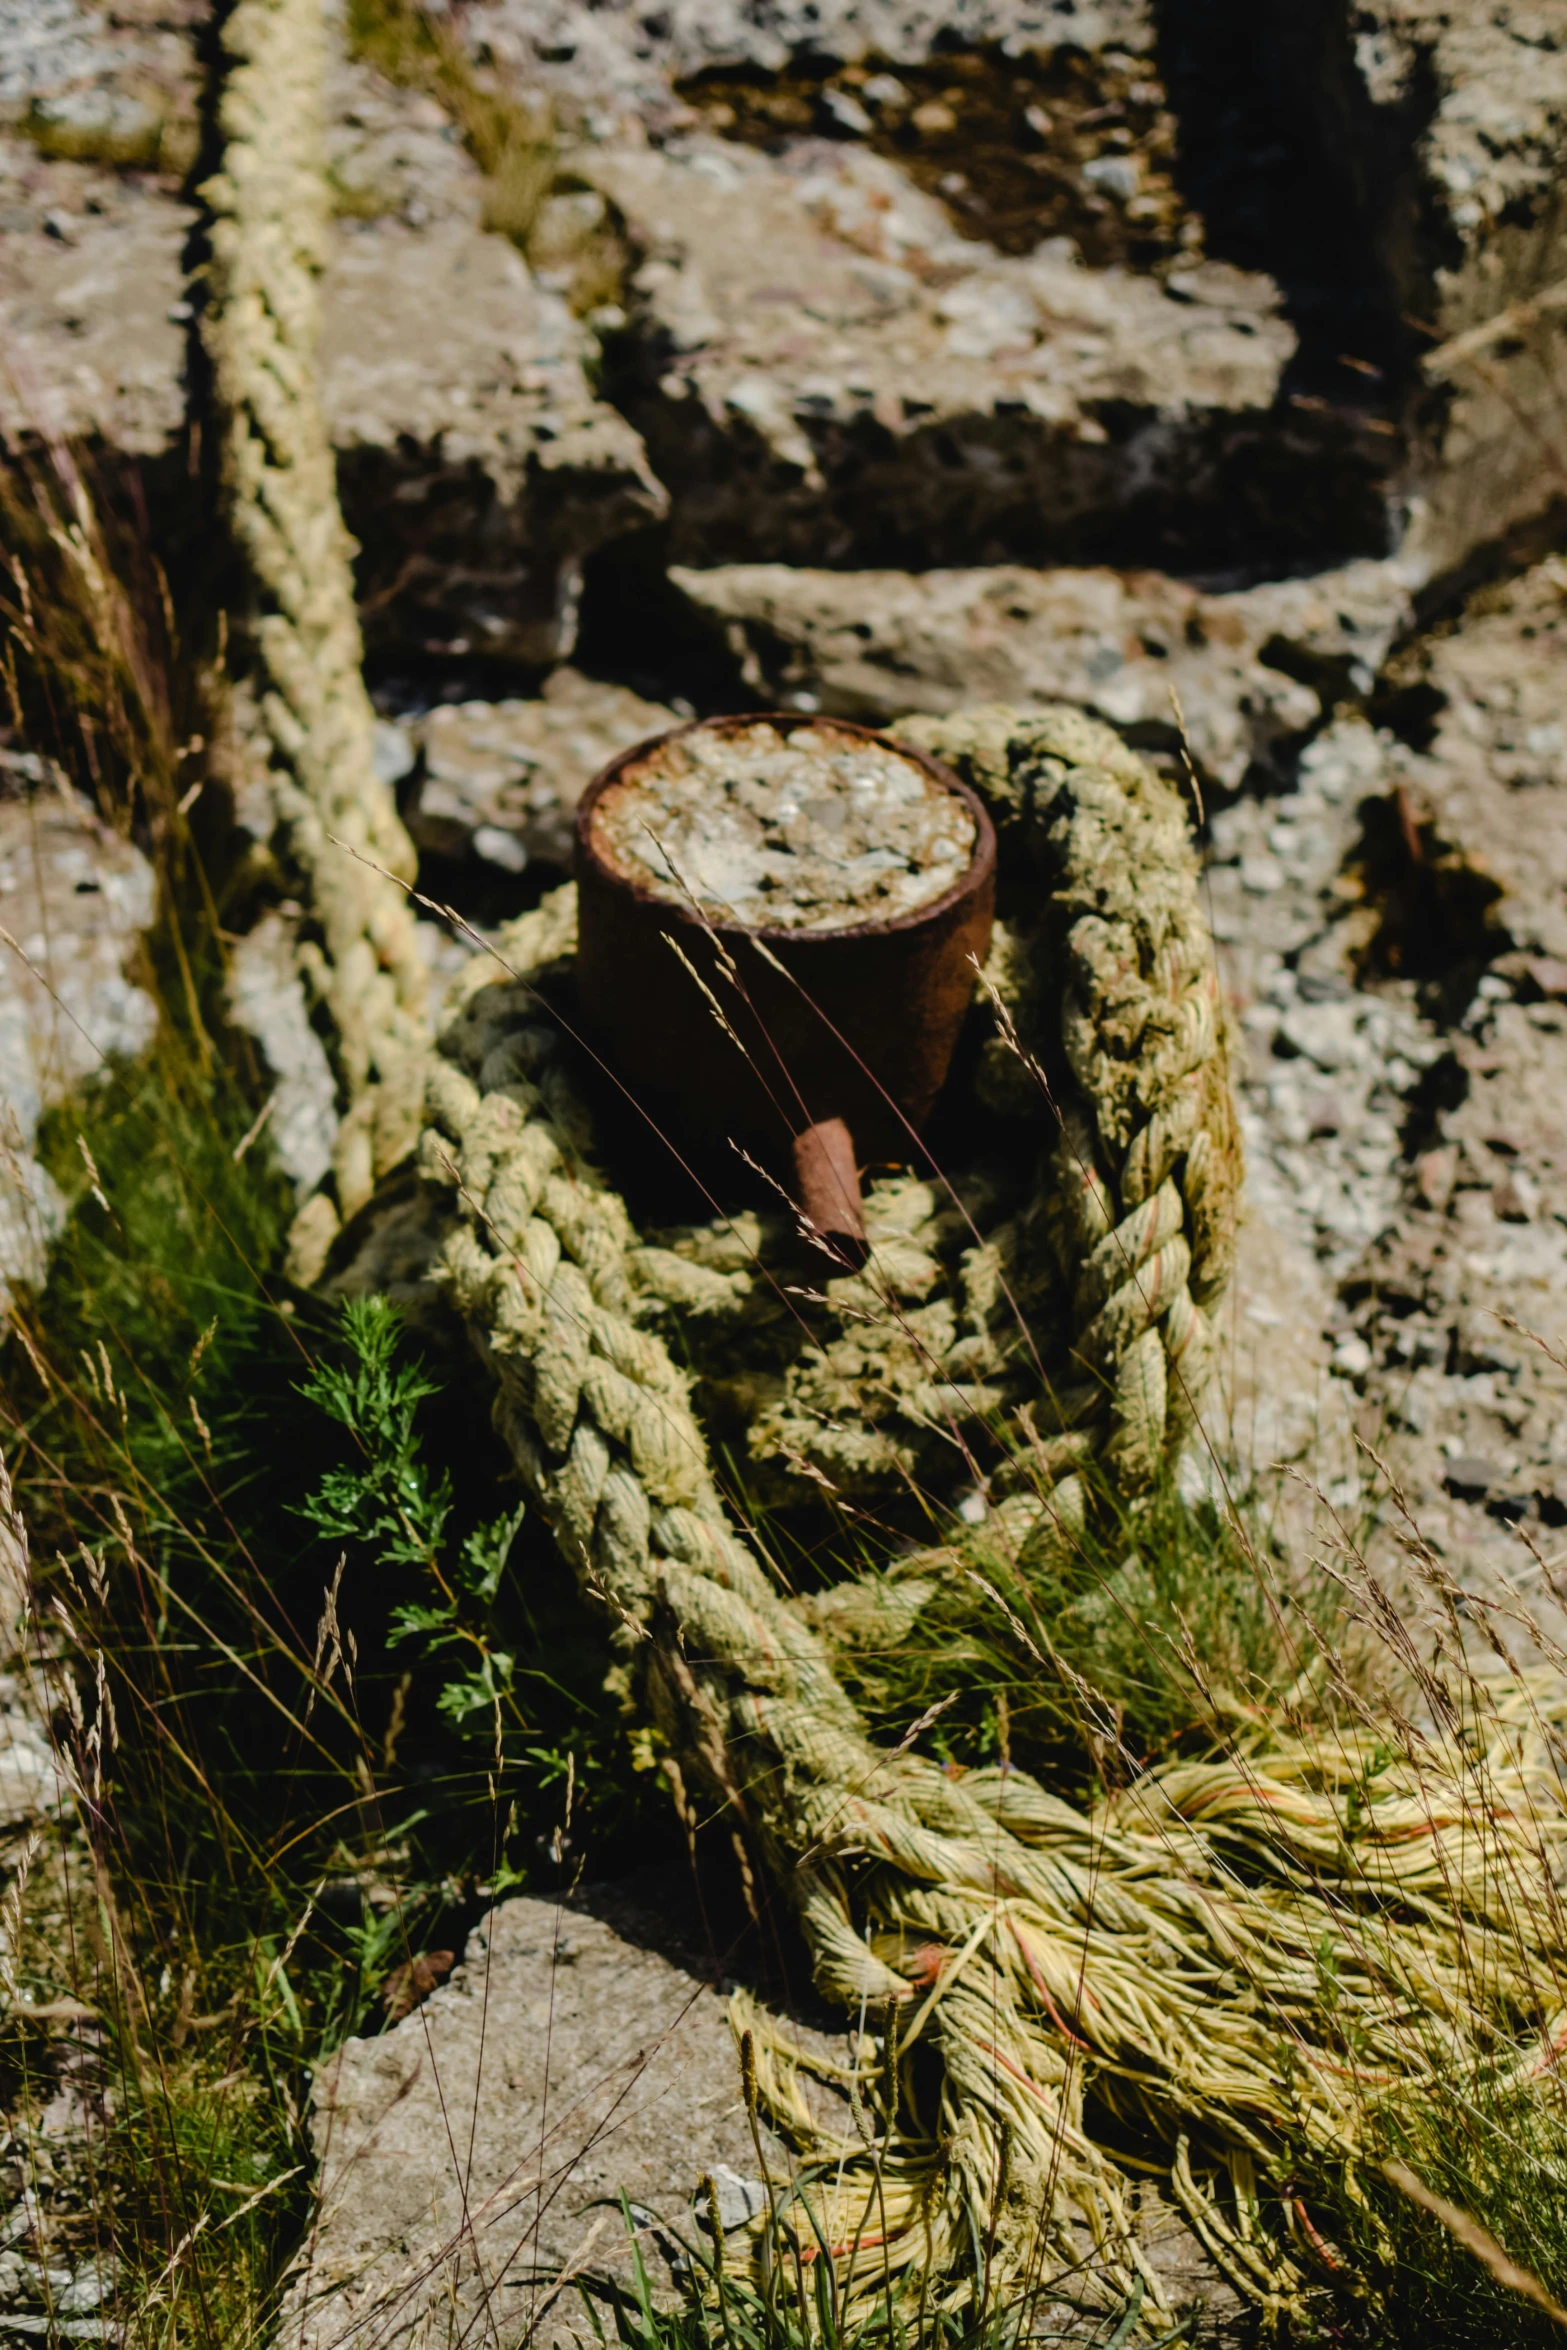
1047	1304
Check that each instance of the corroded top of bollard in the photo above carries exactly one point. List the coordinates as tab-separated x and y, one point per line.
777	827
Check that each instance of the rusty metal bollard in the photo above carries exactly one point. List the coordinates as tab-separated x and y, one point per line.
781	1023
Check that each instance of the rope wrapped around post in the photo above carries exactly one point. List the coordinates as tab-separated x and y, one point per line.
1165	1951
1065	1274
1034	1950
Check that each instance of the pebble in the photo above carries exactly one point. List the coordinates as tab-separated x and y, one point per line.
739	2200
1514	1197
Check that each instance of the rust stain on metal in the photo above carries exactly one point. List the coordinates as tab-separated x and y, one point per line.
750	1035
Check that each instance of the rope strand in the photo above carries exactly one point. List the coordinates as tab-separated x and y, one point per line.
302	718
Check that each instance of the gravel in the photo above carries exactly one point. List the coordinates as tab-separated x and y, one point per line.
813	829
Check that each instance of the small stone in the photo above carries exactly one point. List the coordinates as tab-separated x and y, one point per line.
1324	987
1114	175
392	752
846	113
1325	1034
1435	1173
87	2290
1514	1198
933	120
499	846
1470	1477
1549	974
410	1984
1412	1412
1352	1357
739	2200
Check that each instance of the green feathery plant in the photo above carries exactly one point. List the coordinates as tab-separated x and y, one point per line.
389	1503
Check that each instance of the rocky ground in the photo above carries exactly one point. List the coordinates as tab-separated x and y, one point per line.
1203	365
74	901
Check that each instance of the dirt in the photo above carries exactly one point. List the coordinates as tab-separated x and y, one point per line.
1018	148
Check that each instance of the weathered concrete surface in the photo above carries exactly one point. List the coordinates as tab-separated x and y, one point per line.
477	2152
1398	169
1492	775
1391	931
618	62
1402	166
870	644
500	781
1456	116
1476	1409
1026	121
97	122
128	73
477	468
824	370
74	899
92	300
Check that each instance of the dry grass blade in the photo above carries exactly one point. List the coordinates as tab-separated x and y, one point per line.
1466	2230
93	665
508	131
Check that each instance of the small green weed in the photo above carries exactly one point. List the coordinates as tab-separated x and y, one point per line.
506	1678
794	2305
1159	1625
387	1502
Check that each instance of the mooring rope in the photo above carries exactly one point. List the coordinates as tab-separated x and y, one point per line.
302	718
1069	1273
1170	1951
1035	1950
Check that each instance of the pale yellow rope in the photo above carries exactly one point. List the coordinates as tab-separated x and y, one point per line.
304	716
1034	1950
1078	1291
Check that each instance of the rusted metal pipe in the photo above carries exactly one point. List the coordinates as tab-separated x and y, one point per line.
762	1037
827	1186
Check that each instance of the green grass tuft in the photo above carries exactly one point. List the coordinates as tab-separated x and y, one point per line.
509	132
1161	1626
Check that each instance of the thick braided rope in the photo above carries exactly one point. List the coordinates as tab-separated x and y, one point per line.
1078	1292
1116	959
305	719
1034	1948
